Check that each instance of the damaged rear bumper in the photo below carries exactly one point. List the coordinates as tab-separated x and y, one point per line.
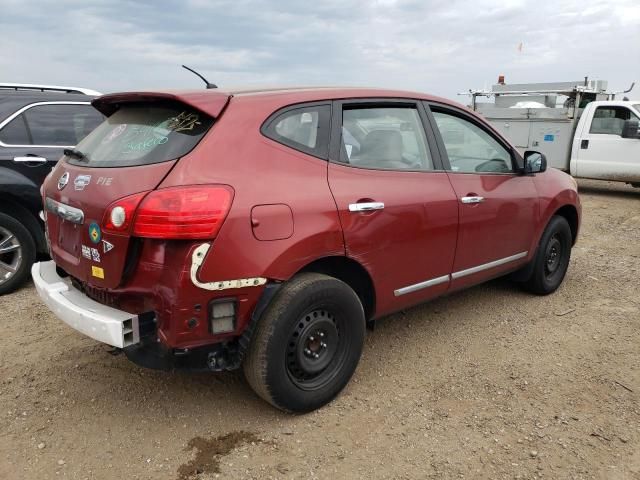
100	322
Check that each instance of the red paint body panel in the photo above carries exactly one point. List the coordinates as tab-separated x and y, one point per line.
290	209
501	226
413	239
555	190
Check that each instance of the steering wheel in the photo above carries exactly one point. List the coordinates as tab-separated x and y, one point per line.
495	165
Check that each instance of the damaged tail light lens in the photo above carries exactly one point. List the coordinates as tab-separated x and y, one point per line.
193	212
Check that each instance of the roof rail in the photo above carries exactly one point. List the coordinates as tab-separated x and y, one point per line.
43	88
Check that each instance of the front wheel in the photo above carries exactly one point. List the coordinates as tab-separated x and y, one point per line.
307	344
552	258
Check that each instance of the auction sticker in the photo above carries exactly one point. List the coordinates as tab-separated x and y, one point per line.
97	272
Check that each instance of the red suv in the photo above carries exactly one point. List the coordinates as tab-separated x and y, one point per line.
208	230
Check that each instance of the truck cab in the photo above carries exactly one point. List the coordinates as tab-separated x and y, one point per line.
600	149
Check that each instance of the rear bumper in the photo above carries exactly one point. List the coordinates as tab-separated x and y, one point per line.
100	322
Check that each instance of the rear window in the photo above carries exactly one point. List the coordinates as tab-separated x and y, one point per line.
141	134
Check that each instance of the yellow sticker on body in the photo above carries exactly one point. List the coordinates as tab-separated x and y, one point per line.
97	272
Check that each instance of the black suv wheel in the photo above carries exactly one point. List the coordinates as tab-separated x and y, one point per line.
17	253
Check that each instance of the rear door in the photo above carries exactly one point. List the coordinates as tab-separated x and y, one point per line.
602	152
32	138
396	205
498	207
130	153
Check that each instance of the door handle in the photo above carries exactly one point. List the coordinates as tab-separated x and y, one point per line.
472	199
29	159
365	206
584	144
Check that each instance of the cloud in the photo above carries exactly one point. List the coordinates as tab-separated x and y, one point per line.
438	46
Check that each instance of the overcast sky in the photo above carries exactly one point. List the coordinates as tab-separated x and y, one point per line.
436	46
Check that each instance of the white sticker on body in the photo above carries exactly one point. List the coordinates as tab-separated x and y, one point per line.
106	246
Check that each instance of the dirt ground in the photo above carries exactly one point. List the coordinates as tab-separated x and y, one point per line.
486	383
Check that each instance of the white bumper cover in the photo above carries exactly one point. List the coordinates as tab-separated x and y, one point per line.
100	322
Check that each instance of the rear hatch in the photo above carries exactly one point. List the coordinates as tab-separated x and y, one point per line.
117	165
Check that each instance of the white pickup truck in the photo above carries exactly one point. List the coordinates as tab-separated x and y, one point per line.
606	144
588	135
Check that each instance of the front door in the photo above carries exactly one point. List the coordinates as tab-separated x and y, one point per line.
397	208
498	206
602	152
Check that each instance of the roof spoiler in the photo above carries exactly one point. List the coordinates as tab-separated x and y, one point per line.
210	103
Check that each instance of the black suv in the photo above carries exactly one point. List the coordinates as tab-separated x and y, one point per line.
37	123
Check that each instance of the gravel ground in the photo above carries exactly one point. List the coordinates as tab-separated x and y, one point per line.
486	383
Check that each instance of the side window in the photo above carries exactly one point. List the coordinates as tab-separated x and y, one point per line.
15	132
305	129
469	148
610	120
61	125
389	138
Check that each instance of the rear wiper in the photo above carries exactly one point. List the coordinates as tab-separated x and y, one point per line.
71	152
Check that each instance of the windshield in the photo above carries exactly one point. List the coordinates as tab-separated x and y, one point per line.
141	134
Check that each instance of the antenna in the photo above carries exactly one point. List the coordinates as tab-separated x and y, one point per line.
209	85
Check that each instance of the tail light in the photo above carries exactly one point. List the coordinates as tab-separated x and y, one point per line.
194	212
119	215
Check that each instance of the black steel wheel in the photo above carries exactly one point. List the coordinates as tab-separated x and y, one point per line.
552	257
17	253
307	344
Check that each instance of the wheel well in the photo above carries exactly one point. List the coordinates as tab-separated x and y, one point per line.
570	214
351	273
11	206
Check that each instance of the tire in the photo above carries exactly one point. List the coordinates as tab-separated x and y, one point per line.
307	344
17	253
552	258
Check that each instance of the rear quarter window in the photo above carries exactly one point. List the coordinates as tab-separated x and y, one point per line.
302	127
142	134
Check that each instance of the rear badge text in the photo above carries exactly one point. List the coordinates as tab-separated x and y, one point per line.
104	181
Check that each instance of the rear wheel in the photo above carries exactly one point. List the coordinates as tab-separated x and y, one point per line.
552	258
17	253
307	344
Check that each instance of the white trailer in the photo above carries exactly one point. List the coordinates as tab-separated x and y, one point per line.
578	126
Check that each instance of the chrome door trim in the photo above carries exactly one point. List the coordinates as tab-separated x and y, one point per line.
487	266
29	159
365	206
419	286
472	199
66	212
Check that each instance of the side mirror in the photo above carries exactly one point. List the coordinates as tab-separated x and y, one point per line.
534	162
630	129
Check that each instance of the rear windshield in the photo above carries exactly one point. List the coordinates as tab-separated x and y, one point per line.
141	134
